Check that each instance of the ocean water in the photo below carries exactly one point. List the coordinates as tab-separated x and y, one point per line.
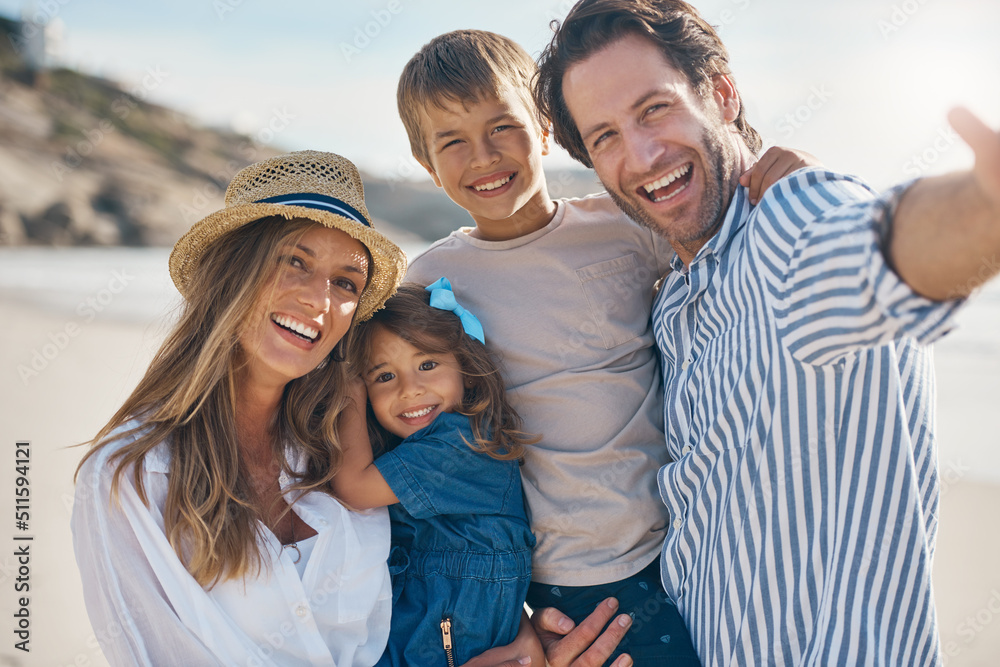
131	285
119	284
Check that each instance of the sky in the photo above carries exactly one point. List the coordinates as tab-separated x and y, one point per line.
862	84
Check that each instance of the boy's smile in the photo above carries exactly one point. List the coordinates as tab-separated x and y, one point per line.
486	155
494	184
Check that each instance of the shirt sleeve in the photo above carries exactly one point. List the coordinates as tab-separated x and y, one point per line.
437	475
421	268
818	240
129	611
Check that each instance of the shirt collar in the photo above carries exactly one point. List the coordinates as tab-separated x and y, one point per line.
736	216
158	460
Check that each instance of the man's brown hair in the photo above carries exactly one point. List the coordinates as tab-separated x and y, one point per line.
463	66
686	40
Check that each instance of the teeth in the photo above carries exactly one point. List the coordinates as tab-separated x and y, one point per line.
673	194
495	184
297	327
418	413
668	179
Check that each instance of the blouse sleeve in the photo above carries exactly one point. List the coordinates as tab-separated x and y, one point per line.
132	618
441	474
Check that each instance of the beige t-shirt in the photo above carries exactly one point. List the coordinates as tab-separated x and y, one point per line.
567	310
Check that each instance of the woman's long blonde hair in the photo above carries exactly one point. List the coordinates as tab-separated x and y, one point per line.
188	399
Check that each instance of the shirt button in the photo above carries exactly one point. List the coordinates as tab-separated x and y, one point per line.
686	450
322	522
678	524
283	478
301	611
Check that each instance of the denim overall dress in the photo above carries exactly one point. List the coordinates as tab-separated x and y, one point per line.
461	554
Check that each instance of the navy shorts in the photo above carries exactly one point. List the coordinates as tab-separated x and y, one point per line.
657	636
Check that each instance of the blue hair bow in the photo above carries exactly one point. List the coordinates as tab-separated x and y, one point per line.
443	298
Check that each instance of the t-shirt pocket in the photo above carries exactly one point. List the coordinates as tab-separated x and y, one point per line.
618	292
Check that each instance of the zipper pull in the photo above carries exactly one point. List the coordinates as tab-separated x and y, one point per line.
446	639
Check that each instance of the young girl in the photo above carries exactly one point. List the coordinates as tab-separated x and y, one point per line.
461	556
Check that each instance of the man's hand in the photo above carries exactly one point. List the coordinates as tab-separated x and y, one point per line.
584	645
523	651
774	165
945	237
985	143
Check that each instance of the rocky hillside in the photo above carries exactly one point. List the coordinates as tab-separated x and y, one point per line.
85	162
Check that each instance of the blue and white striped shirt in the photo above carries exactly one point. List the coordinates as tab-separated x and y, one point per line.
799	406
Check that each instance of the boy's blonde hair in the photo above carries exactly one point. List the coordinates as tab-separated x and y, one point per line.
463	66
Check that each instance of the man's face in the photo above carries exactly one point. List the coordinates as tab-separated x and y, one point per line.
667	155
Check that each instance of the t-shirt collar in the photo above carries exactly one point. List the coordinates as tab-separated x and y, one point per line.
465	233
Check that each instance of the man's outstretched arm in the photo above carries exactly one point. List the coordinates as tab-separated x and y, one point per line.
945	238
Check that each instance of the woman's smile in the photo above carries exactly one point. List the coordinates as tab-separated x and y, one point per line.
308	306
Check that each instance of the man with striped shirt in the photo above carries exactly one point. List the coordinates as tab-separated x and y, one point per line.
798	384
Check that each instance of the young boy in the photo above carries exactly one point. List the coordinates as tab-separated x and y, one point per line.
564	290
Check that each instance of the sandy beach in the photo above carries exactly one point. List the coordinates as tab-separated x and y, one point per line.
66	366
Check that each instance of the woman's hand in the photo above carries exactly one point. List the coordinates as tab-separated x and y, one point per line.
773	165
524	650
583	645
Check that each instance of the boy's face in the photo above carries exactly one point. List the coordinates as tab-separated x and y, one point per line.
487	158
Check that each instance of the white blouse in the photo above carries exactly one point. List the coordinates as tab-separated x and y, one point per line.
146	609
304	550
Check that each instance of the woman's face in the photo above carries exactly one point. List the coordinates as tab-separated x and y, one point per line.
308	306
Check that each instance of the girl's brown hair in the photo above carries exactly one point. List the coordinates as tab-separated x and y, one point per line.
496	427
187	398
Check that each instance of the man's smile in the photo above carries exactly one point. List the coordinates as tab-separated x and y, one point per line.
667	186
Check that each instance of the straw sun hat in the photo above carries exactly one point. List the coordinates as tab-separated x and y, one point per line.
322	187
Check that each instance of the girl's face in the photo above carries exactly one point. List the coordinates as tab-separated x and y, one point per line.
307	308
407	387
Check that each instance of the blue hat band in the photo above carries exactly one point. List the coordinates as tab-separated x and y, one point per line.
318	202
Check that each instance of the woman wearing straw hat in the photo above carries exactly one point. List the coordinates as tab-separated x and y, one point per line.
203	524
